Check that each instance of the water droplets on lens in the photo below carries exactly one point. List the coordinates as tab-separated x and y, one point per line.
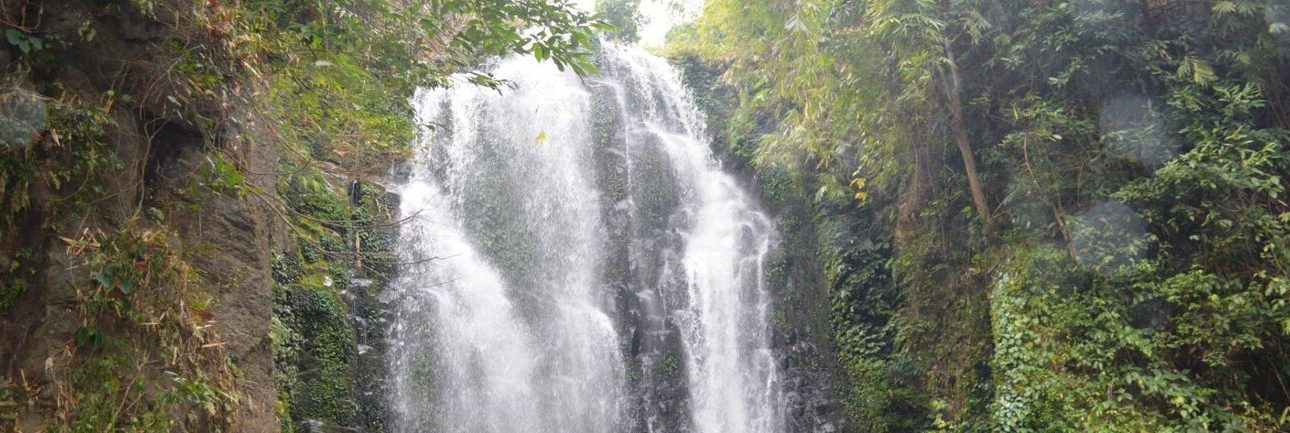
1135	130
22	117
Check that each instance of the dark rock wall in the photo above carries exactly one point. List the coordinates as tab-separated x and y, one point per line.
164	135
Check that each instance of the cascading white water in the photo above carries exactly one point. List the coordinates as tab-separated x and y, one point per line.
525	321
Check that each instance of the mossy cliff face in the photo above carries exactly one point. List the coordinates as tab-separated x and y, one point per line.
328	326
153	264
136	258
144	265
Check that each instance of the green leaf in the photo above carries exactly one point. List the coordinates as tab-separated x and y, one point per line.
88	337
14	36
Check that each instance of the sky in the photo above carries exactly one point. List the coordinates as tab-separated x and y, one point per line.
659	16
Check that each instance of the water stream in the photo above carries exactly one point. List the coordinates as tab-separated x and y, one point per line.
583	264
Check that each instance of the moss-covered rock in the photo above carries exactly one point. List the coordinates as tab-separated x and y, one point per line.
327	338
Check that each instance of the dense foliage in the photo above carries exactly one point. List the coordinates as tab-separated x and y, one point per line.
126	125
1038	215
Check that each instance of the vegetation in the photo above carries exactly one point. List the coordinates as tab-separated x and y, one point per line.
121	120
142	319
1033	215
1037	216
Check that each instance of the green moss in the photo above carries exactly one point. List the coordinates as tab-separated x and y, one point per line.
778	188
324	388
314	344
18	275
285	339
319	374
285	268
309	193
671	366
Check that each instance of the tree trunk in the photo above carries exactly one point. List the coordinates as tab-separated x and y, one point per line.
960	137
914	197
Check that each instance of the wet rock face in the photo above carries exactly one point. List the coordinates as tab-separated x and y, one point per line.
813	378
637	246
809	392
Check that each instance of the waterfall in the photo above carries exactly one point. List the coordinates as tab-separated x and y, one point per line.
578	262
